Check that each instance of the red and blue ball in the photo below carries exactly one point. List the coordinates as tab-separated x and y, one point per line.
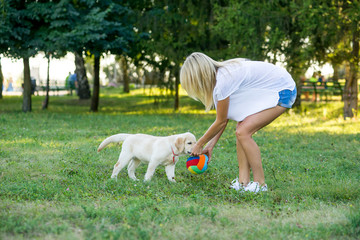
197	164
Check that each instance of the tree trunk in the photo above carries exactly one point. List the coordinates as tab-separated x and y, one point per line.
26	107
124	66
177	82
297	102
46	101
83	83
96	88
336	72
351	85
335	77
350	98
1	81
297	76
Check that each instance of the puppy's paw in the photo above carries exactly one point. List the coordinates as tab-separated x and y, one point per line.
172	179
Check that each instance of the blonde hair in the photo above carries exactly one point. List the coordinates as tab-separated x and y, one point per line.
198	77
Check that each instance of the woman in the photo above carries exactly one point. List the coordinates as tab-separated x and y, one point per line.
250	92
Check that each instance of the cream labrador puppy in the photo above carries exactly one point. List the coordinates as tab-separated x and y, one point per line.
154	150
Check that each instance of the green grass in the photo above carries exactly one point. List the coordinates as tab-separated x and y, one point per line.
54	185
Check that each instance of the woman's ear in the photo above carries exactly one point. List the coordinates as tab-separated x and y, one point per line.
180	144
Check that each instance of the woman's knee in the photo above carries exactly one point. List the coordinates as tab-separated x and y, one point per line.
242	134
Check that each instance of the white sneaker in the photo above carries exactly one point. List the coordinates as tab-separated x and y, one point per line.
255	187
236	185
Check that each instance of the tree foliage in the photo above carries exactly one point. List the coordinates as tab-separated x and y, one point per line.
162	33
94	28
297	33
333	32
22	28
176	29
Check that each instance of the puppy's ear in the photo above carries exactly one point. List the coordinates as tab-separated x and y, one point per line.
180	144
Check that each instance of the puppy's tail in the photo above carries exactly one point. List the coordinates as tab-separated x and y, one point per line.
113	139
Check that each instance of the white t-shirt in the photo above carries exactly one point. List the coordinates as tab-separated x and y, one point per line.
252	87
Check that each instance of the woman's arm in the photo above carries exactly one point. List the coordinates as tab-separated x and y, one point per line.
218	126
211	144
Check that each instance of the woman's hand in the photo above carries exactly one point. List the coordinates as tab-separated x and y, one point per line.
208	151
197	150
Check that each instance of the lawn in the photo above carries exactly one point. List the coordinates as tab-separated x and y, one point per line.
54	185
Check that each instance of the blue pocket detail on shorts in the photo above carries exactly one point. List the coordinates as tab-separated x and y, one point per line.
287	98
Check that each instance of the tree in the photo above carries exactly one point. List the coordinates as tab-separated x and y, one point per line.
5	38
62	18
41	12
351	18
176	29
83	83
101	27
265	30
333	28
20	28
46	101
26	30
124	67
243	25
296	33
1	81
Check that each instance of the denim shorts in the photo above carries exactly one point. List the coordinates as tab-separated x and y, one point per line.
287	98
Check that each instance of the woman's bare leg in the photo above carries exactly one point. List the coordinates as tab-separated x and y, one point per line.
244	167
244	132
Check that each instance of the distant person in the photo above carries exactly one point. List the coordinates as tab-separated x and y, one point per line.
10	87
313	78
72	81
67	85
33	85
322	80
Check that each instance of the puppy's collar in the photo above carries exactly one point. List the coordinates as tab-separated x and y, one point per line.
174	155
